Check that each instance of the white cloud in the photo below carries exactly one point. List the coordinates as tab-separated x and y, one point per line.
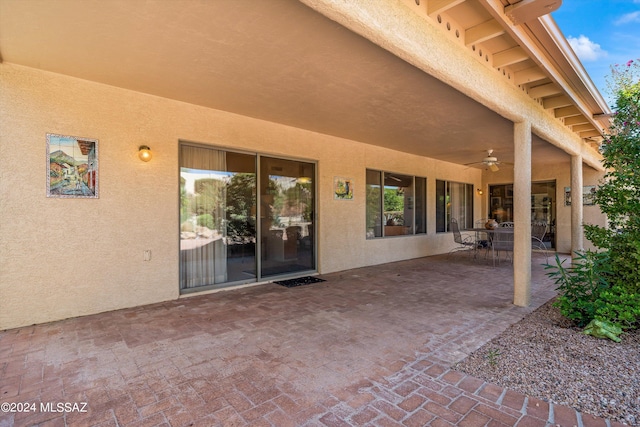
629	18
586	49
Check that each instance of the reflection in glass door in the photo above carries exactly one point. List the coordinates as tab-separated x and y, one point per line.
218	211
217	217
543	209
543	206
287	209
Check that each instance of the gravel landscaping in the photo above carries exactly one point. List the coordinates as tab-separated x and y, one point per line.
544	356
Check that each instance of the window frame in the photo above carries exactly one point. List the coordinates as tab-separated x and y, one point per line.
375	215
443	223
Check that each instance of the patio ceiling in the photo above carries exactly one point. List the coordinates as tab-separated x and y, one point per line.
281	61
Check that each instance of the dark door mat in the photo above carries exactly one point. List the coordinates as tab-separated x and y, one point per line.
292	283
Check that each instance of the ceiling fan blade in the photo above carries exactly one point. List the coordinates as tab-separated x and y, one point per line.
494	167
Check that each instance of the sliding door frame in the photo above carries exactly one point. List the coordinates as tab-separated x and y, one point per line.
258	279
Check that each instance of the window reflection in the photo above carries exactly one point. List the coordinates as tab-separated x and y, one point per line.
396	204
453	200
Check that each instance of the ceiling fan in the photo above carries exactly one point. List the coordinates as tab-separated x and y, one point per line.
490	161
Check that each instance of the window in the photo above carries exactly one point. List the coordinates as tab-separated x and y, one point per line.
453	200
396	204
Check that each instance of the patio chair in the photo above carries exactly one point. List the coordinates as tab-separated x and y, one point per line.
508	224
501	242
466	243
483	241
538	231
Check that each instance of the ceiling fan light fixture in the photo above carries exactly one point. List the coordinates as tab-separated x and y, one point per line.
490	159
490	162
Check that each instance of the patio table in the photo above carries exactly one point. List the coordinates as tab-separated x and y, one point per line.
504	245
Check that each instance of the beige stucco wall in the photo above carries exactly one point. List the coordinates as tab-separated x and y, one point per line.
591	214
62	258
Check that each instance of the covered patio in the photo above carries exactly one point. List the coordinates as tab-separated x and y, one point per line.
426	90
369	346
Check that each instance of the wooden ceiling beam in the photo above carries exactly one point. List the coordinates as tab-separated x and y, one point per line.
571	110
589	134
544	90
440	6
556	102
509	56
575	120
583	128
483	32
529	75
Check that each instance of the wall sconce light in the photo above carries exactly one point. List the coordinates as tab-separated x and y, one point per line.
144	153
479	191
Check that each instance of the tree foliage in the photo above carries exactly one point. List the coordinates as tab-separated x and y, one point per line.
618	196
240	196
610	291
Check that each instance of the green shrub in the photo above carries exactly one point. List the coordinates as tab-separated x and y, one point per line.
186	226
619	306
590	289
605	286
206	220
580	285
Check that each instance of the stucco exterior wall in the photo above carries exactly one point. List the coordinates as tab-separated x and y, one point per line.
591	213
62	258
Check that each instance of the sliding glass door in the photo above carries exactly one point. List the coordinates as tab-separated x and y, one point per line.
543	206
219	231
287	206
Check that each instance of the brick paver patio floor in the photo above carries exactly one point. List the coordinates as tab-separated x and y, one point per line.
369	347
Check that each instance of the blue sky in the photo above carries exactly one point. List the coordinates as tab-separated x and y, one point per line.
602	33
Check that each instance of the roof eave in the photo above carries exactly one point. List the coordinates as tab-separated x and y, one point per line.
584	88
545	44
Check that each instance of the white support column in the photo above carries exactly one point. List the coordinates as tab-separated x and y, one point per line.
522	214
577	234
